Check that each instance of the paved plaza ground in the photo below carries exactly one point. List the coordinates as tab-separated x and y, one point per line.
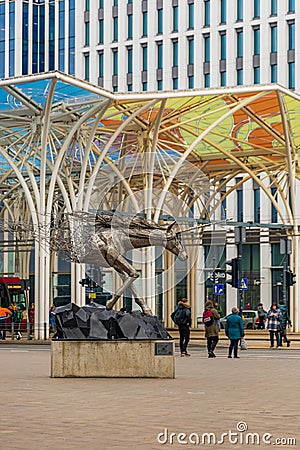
260	392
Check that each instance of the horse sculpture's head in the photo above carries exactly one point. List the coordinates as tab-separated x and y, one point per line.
174	244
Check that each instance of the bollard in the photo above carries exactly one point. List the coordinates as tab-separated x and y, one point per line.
28	330
13	330
45	331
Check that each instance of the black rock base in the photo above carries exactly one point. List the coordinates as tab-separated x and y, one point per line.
94	321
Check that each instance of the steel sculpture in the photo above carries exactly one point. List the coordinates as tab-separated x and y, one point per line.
104	239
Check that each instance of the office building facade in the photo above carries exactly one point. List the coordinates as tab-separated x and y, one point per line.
150	45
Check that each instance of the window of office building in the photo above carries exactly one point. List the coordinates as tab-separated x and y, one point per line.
145	57
291	6
239	10
239	77
291	31
251	271
35	42
129	60
160	55
24	40
129	67
274	73
101	64
274	7
256	75
160	63
224	201
71	37
207	49
2	40
256	34
256	13
240	44
191	16
240	201
291	68
11	54
87	33
115	61
191	60
191	45
101	3
207	13
223	45
274	213
223	78
101	31
115	29
175	64
175	18
145	24
223	11
160	19
274	40
207	80
87	67
129	26
256	194
175	53
61	37
87	5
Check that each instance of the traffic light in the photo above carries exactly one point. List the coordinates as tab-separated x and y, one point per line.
234	272
84	282
290	278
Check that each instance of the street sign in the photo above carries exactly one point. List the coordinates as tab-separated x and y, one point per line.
243	284
218	289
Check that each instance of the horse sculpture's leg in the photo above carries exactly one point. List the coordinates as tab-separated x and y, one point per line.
139	300
123	267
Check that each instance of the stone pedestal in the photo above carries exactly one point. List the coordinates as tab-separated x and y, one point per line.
113	359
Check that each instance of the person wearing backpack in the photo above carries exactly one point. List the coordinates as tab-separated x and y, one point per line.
182	317
210	320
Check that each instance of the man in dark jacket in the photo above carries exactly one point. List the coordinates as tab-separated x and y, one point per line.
184	321
212	331
284	322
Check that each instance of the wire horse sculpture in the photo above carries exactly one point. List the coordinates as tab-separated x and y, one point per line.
104	239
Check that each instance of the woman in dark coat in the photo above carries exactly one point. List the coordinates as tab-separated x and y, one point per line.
234	330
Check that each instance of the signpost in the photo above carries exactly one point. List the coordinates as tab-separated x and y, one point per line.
218	289
243	284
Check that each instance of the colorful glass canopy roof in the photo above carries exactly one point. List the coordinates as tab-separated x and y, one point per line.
224	132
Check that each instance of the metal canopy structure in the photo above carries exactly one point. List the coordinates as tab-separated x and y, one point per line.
65	142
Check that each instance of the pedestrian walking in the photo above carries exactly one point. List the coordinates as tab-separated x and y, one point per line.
262	316
3	313
217	306
31	318
285	321
183	319
52	323
234	330
210	320
16	318
274	324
